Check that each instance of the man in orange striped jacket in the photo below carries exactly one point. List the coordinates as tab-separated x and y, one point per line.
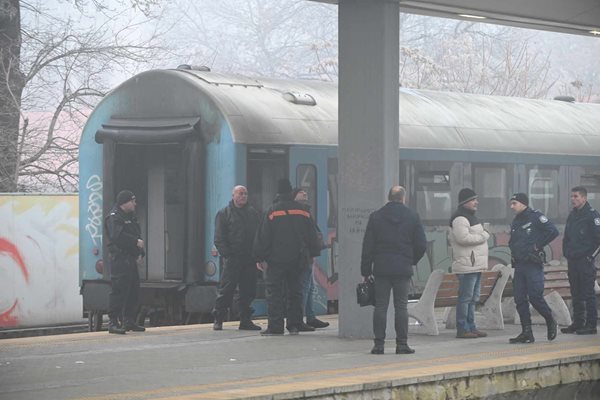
285	237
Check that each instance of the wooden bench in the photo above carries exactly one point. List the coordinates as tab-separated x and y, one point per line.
441	290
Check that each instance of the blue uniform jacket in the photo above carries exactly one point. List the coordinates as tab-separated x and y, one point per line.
529	233
582	233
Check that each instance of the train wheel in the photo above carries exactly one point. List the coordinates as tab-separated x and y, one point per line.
95	321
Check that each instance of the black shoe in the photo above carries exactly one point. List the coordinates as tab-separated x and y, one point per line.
293	330
115	328
377	349
571	328
588	330
404	349
271	332
551	327
249	326
306	328
134	327
526	336
317	323
218	326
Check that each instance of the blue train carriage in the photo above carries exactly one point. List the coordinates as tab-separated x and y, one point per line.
181	139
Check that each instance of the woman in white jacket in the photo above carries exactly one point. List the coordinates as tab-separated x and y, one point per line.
469	259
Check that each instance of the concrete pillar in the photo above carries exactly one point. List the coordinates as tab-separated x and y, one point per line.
368	138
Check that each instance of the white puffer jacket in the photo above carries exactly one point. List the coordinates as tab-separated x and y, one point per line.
469	247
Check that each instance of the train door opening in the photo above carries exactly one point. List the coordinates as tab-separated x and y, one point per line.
265	167
156	174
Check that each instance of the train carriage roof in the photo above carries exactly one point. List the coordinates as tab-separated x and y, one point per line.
272	111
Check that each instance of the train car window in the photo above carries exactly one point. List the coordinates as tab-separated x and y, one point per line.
490	183
433	195
543	190
265	167
332	191
306	179
592	184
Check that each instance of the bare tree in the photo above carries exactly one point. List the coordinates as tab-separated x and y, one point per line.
62	70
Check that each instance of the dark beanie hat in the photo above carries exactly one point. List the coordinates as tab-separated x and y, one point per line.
284	186
521	198
465	195
124	196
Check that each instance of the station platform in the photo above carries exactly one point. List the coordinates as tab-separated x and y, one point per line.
195	362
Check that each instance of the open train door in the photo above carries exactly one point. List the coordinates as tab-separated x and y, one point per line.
160	160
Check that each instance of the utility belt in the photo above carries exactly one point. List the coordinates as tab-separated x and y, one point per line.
535	257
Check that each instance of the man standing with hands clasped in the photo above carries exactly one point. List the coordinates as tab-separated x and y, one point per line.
581	245
529	233
469	260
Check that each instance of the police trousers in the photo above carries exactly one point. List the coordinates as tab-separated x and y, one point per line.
125	287
279	277
582	275
528	287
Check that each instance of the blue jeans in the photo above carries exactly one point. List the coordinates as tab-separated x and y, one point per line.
308	287
468	296
528	287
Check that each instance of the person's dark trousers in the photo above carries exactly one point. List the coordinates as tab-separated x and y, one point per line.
236	273
384	285
582	275
125	286
528	287
278	276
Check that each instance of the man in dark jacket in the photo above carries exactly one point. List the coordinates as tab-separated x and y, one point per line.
125	247
286	235
530	232
581	243
235	228
394	241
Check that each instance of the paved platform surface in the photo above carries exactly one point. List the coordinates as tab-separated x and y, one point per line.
195	362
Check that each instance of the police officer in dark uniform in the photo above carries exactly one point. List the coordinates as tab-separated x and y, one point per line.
235	228
530	232
285	236
125	247
580	247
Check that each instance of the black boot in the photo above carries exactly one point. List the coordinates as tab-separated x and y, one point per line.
571	328
552	327
403	349
377	349
526	336
115	327
132	326
248	325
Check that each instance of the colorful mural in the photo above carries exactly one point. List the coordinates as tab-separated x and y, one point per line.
39	251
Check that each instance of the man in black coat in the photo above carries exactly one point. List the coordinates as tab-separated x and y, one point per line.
235	228
394	241
125	247
581	244
285	238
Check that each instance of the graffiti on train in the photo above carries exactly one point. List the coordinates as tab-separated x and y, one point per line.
94	210
38	260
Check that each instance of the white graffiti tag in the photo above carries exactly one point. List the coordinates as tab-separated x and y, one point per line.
94	210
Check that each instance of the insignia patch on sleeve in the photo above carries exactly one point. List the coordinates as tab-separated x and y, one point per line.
543	219
597	221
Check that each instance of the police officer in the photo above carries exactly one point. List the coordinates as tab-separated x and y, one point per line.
529	233
285	236
580	244
125	247
235	228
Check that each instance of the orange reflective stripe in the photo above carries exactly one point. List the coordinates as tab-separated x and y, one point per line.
299	212
277	214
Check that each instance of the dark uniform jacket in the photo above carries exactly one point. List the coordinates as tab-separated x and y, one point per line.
123	233
287	234
394	241
235	229
530	231
582	233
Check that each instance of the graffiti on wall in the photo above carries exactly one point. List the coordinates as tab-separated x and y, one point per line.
38	260
94	210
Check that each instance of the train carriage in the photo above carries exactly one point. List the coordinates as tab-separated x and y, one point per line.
182	138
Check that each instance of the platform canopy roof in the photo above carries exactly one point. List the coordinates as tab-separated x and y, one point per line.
581	17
